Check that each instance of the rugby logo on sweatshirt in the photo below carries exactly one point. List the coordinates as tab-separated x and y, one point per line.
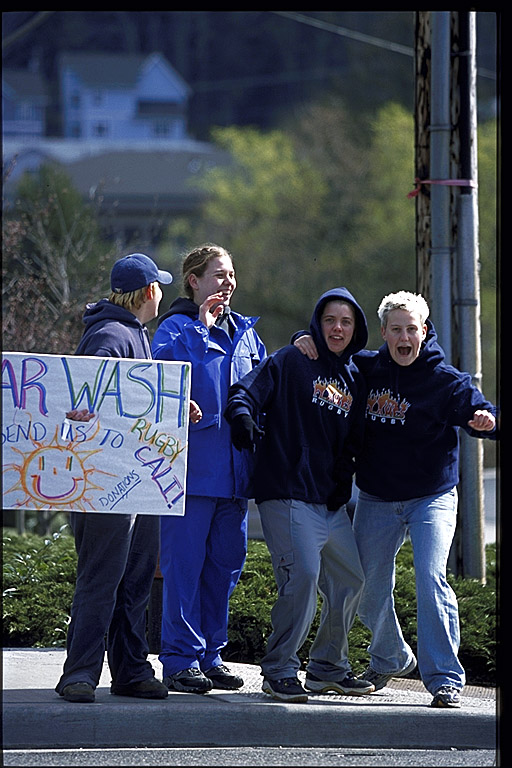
332	394
381	404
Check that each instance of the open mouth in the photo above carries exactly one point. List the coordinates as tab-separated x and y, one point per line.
403	351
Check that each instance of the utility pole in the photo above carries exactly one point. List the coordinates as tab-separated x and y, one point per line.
447	233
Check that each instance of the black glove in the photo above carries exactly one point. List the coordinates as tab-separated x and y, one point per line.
244	431
338	497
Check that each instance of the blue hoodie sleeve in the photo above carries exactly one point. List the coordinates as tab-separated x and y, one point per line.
465	400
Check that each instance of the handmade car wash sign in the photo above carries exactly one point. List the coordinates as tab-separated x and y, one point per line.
129	455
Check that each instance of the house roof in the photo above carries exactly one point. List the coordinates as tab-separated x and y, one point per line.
137	174
25	84
120	69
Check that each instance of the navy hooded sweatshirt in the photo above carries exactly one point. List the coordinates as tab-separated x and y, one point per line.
112	331
313	415
413	415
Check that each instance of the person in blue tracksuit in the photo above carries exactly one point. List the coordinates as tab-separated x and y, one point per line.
313	427
203	551
117	553
407	475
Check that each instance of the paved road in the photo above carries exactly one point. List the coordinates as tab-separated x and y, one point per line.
253	756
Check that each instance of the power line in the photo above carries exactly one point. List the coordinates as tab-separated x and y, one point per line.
362	38
25	28
344	32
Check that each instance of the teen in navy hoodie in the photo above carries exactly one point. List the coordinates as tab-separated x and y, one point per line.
117	553
313	425
407	474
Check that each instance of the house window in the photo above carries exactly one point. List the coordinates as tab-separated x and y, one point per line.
75	99
27	111
161	128
76	130
100	129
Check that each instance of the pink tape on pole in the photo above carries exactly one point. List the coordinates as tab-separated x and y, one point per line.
442	182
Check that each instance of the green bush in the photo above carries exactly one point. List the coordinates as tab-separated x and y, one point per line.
39	578
38	583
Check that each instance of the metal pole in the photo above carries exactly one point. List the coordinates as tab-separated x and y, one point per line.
440	136
468	302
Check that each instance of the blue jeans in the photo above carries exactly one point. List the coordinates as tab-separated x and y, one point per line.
201	559
380	528
313	551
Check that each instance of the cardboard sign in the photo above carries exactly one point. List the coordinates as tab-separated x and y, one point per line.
129	457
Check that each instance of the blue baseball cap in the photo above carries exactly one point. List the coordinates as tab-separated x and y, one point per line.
136	271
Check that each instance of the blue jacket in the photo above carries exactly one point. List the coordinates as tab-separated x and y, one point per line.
413	416
314	416
214	467
112	331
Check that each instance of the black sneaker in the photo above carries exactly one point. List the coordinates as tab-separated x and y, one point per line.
80	692
446	696
380	679
144	689
350	685
221	677
189	680
286	689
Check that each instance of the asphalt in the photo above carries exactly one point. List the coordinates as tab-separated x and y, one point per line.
398	716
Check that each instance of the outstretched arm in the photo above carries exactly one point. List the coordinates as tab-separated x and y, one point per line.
482	421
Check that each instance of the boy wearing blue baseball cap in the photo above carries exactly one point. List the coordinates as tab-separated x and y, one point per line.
117	553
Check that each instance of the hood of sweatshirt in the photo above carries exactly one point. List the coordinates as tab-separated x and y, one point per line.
104	310
360	337
181	306
113	328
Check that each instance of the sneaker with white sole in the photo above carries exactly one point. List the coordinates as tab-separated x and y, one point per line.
349	685
286	689
446	696
381	679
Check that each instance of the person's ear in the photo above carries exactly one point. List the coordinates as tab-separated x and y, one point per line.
192	281
150	291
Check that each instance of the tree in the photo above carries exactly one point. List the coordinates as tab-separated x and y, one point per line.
487	213
265	209
316	207
54	260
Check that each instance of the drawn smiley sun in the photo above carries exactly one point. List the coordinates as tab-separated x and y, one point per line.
54	476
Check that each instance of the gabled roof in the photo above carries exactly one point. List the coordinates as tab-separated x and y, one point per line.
24	84
120	69
138	174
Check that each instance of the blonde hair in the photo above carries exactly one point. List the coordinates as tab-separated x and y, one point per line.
411	302
130	300
196	263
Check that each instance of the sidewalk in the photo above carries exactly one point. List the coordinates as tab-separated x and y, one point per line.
398	716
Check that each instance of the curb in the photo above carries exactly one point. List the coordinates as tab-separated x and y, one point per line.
398	716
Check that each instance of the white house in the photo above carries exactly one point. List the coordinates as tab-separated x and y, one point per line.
24	101
124	143
121	97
